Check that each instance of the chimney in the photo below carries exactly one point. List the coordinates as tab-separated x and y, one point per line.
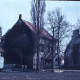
20	16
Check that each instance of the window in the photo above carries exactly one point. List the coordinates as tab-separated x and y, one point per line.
49	49
41	48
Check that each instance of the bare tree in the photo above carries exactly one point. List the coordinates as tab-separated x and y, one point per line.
77	25
59	27
37	14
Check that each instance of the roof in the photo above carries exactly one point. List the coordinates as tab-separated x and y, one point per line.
44	33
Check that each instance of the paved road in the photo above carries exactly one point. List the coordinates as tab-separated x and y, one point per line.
42	75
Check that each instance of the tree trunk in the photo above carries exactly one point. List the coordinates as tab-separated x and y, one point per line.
53	51
38	36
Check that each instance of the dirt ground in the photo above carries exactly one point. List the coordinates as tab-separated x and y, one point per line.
41	75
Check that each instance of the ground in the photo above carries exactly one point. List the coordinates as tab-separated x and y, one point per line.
42	75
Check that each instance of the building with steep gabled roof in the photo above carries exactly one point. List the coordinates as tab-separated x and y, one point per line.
19	44
72	52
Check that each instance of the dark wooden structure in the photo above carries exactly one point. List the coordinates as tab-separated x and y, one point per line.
19	44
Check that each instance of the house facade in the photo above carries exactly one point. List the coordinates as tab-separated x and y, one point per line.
72	52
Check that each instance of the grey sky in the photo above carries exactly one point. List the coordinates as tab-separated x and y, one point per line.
10	9
71	9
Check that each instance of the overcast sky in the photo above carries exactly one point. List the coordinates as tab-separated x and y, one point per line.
10	10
